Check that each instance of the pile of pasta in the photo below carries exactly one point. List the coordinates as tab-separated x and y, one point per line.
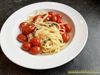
45	33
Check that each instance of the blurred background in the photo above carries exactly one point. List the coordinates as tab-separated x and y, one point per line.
88	59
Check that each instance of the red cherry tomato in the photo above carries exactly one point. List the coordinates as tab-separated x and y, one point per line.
27	28
59	20
54	18
35	42
23	24
26	46
31	27
68	27
65	37
59	16
21	38
35	50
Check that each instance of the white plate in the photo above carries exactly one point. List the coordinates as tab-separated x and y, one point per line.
11	47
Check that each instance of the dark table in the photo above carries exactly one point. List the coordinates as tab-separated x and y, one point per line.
88	59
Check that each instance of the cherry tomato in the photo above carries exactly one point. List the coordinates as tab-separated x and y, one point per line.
35	42
27	29
54	18
26	46
21	38
23	24
59	16
68	27
59	20
35	50
65	37
31	27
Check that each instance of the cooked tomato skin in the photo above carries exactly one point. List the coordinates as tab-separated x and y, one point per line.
65	37
59	18
54	18
26	28
23	24
26	46
31	27
35	50
68	27
35	41
21	37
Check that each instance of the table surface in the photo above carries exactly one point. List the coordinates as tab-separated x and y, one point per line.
88	59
